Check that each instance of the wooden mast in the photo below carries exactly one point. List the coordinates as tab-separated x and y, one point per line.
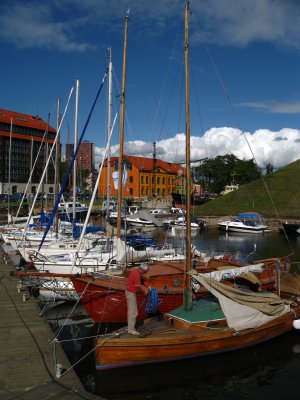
188	290
122	117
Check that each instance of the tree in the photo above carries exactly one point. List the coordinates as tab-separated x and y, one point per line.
223	170
269	169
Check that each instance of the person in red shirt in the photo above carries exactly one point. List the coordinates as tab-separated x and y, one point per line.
134	286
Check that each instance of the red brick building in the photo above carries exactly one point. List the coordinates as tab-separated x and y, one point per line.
85	155
24	140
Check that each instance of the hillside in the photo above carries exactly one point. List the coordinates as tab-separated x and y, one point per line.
278	194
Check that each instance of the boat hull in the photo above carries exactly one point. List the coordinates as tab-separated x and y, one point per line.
105	300
163	346
232	227
292	229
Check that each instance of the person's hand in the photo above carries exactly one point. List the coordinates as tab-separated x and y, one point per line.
146	289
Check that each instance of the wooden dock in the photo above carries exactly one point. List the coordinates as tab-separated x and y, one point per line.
28	361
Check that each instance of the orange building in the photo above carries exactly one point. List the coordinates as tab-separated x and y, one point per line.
147	177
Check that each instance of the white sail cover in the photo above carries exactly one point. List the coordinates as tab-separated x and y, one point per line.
127	254
243	309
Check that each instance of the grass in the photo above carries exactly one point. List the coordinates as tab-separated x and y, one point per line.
275	196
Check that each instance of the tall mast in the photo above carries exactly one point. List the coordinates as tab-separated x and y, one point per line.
75	146
188	291
57	162
122	116
108	131
9	173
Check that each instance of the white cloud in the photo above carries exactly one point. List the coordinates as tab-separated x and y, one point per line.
277	148
274	108
34	25
56	24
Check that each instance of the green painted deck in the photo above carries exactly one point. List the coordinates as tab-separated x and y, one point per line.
27	358
203	310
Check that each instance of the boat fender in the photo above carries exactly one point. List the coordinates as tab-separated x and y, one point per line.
153	301
296	323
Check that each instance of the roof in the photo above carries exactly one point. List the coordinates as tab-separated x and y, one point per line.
30	121
146	164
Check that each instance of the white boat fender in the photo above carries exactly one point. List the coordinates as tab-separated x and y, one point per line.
296	323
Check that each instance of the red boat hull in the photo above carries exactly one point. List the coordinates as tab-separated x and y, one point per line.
105	305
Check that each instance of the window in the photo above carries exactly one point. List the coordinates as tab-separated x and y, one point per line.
130	179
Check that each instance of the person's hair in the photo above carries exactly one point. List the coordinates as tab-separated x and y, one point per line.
144	267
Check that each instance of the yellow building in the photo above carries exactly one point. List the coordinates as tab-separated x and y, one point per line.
147	177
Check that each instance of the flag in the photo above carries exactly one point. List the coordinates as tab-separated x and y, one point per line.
115	176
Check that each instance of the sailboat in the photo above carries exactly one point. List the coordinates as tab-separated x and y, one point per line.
232	318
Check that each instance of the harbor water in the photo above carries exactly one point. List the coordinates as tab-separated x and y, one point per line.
267	371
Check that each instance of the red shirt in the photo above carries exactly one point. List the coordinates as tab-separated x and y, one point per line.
133	284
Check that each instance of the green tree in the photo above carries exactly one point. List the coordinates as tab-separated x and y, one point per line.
269	169
223	170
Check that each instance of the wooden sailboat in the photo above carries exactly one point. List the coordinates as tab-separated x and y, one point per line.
103	294
233	319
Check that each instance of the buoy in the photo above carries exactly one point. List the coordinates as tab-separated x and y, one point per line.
296	323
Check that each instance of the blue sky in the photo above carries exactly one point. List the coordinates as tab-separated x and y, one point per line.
244	71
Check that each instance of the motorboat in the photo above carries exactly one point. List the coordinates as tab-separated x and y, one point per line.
290	228
65	210
249	222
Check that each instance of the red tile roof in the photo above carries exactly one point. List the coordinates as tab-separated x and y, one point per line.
30	121
146	164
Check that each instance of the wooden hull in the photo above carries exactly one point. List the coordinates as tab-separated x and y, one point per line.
176	344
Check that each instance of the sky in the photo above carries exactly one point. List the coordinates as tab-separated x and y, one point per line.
244	74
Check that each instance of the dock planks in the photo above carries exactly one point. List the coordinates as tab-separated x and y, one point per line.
27	357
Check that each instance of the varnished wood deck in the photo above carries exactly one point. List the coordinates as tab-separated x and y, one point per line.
27	361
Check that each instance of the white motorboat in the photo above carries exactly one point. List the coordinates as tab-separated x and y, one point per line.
249	222
65	210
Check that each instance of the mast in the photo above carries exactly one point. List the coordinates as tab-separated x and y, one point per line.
120	166
30	177
45	162
9	219
75	146
188	290
57	163
108	131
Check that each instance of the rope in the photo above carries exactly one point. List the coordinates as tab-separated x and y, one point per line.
153	302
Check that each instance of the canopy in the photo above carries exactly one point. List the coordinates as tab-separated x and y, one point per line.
243	309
